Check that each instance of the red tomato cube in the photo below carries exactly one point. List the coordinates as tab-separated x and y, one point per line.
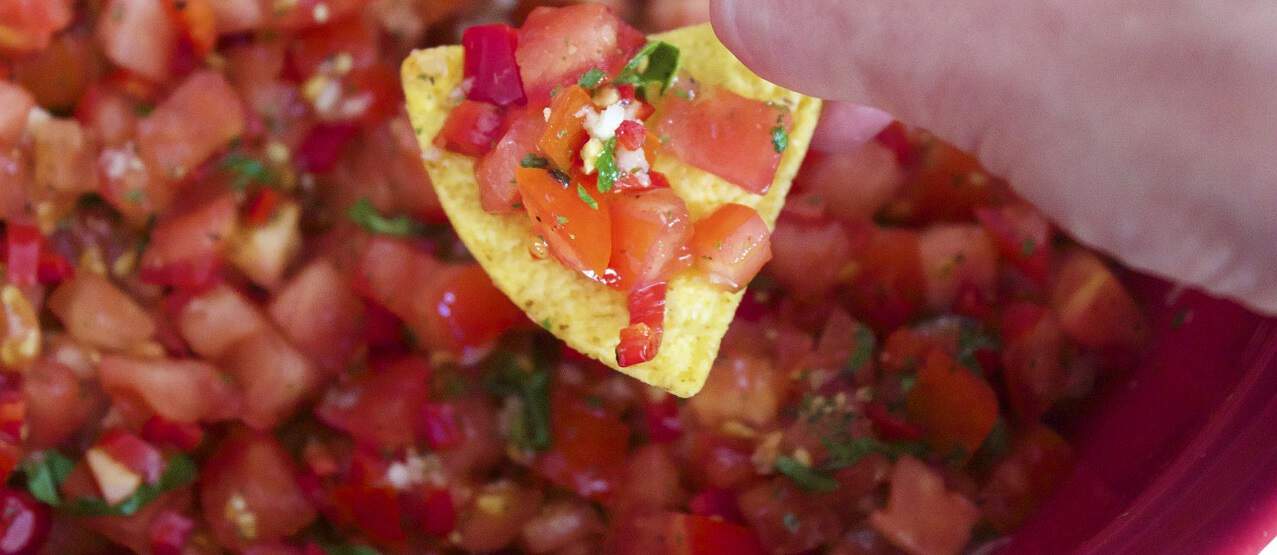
725	134
201	116
498	191
249	493
558	45
139	35
472	128
490	65
732	245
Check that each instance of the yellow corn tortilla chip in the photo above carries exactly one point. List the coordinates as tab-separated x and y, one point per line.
586	315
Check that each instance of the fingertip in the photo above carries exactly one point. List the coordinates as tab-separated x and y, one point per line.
845	126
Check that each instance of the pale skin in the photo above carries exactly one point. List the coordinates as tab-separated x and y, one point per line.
1146	129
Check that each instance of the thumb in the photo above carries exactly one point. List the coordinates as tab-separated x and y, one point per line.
1145	130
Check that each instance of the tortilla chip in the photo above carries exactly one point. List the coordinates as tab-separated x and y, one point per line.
586	315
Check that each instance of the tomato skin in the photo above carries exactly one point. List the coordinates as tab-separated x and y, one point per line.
954	257
96	312
472	128
196	23
1022	236
589	446
684	534
320	314
273	377
725	134
889	285
1094	308
186	248
253	468
593	35
178	390
379	407
198	119
490	64
313	47
1031	349
565	133
731	245
498	190
579	236
139	36
462	311
57	404
956	407
650	233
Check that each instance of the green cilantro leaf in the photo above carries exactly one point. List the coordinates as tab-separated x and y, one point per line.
363	212
179	472
591	78
606	165
350	550
661	64
45	472
534	161
585	197
247	170
805	476
780	138
971	340
863	351
531	430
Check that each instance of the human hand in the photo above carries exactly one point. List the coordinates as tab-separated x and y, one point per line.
1146	130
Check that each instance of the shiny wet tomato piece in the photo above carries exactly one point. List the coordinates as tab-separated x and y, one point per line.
888	286
318	311
558	45
27	25
462	310
498	190
641	340
725	134
490	65
313	48
955	406
731	245
196	23
564	133
471	129
250	474
1022	236
379	406
650	233
139	36
1094	308
589	445
579	235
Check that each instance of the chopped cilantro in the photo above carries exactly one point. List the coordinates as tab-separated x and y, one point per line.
350	550
907	382
591	78
143	109
135	196
545	323
790	520
661	64
585	197
247	170
532	388
997	443
606	164
845	451
45	472
366	215
971	340
179	472
1028	247
780	138
534	161
805	476
863	351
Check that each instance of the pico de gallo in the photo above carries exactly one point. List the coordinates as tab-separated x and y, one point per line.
233	317
564	116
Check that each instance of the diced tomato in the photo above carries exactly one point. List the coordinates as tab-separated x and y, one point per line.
795	244
662	421
373	510
351	37
725	134
558	45
27	25
743	388
1039	459
715	502
955	406
57	404
320	314
888	286
472	128
127	184
177	390
186	248
895	137
946	185
921	516
238	15
201	116
432	510
22	253
560	524
1031	348
261	206
64	157
641	340
1022	236
589	446
579	235
59	74
380	407
302	14
131	531
438	424
498	189
107	111
1094	308
273	377
564	133
889	426
214	320
496	515
482	443
139	36
731	245
248	492
24	522
684	534
953	257
852	186
490	65
15	104
196	23
133	452
650	233
323	145
170	531
185	436
96	312
461	311
813	520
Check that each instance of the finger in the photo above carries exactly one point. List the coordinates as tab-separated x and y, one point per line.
845	126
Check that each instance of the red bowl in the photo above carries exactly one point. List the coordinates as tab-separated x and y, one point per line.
1181	455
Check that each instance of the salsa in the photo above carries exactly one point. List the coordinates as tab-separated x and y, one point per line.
234	318
565	117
